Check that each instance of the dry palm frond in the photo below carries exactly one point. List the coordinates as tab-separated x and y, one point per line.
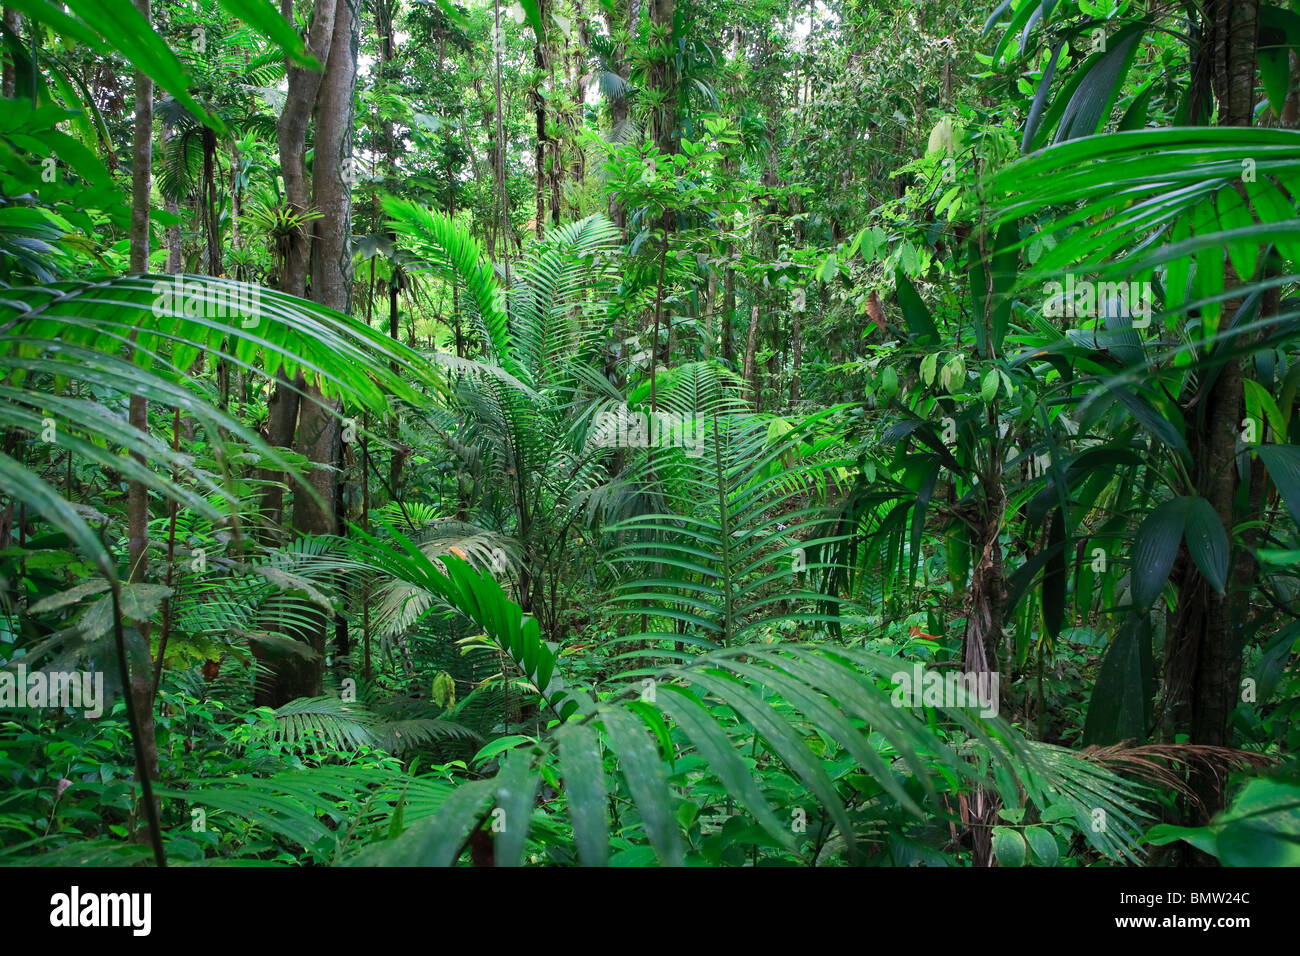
1172	765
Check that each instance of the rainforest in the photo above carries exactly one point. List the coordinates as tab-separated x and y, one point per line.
648	433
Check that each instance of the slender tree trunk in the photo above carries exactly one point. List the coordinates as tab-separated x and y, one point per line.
539	110
175	259
1203	662
750	367
984	603
618	106
1290	118
211	233
331	258
141	182
503	198
555	175
663	81
729	310
281	420
9	81
577	167
658	316
710	307
796	354
137	502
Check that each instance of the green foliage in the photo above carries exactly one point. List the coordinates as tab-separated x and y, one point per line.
679	429
1260	828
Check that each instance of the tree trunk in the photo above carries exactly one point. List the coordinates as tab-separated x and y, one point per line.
796	355
1203	661
175	260
319	429
751	365
729	309
539	110
9	82
556	172
710	307
137	501
499	154
331	257
661	78
618	106
663	81
291	136
325	252
580	44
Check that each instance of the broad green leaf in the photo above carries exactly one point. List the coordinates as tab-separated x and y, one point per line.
1207	542
1154	550
988	389
915	314
119	25
1043	844
1121	698
1279	32
437	841
531	10
647	782
1157	422
584	785
929	365
1008	846
1104	73
1135	117
56	602
516	791
1261	407
1203	838
1283	464
1262	826
829	270
500	745
714	745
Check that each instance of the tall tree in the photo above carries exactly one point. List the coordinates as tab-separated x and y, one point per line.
291	137
1204	655
9	78
541	55
140	665
327	252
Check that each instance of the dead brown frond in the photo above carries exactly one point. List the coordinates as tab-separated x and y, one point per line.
1173	765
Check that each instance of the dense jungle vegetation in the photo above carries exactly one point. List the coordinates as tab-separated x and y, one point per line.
650	432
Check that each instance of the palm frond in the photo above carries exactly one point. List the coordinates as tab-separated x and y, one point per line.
782	694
